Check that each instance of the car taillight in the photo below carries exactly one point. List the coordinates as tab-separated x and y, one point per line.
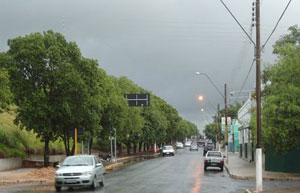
222	161
206	161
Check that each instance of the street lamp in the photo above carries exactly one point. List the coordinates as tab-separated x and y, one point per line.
204	74
225	104
200	98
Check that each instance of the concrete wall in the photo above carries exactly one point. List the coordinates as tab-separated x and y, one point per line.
10	163
52	158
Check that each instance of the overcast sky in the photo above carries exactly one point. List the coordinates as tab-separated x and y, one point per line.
159	44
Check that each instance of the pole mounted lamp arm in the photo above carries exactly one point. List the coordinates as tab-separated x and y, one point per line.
201	73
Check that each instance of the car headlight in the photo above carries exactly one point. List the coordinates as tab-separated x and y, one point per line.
58	174
88	173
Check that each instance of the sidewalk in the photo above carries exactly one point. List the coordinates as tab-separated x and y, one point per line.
286	190
46	175
240	169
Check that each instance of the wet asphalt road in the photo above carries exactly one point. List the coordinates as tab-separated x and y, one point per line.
182	173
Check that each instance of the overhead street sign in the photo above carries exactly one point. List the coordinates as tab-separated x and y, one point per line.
138	100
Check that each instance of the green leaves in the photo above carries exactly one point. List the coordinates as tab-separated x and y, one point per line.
281	101
56	90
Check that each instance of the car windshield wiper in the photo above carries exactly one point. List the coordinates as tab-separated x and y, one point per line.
66	165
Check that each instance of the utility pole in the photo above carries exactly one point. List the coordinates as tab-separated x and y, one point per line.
259	185
226	126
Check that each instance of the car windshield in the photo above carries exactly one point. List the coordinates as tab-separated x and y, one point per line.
214	154
78	161
168	148
210	145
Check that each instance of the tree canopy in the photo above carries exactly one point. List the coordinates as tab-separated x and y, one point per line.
281	99
56	89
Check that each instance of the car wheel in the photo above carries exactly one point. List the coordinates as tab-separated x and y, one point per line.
205	168
173	154
58	188
94	184
163	154
102	182
222	168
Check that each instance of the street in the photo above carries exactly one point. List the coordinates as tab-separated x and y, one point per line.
182	173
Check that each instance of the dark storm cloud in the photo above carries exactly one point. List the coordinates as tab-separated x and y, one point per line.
159	44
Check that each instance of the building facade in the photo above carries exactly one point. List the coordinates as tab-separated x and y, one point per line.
246	143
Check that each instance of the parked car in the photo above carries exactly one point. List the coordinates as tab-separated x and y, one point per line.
80	170
214	159
208	147
179	145
168	150
193	147
188	143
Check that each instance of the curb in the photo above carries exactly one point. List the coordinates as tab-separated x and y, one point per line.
128	158
238	177
106	169
248	191
253	178
5	182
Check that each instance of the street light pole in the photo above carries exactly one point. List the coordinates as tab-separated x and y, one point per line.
218	125
116	160
226	124
225	102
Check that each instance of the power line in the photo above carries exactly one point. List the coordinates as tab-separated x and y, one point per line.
276	24
245	80
237	22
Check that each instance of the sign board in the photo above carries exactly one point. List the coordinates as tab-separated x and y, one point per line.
228	120
138	100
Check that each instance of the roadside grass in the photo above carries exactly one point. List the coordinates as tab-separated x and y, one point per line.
15	142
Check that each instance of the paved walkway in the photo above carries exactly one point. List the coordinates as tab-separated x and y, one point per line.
241	169
285	190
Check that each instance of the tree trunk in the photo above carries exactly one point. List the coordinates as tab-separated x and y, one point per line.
128	147
73	148
66	146
134	147
140	146
90	145
144	147
148	147
46	152
119	148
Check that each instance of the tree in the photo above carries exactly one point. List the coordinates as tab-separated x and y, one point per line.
210	131
281	95
5	93
55	88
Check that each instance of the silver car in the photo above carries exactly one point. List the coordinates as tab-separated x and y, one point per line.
80	170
